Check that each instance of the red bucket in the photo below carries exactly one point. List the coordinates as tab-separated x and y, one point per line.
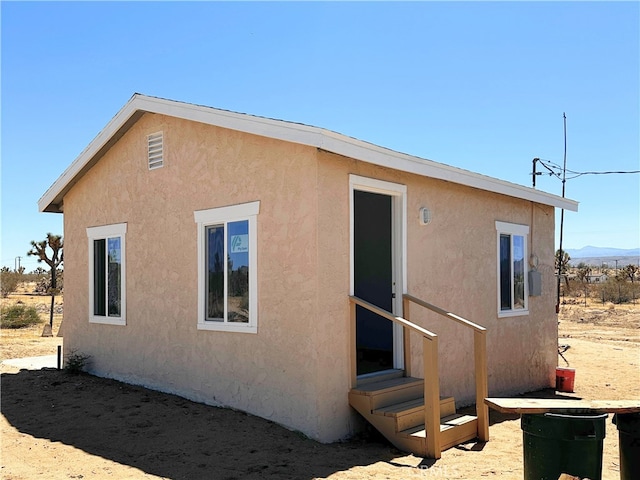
564	379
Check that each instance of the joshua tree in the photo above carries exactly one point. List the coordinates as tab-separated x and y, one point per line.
631	271
583	272
39	249
562	267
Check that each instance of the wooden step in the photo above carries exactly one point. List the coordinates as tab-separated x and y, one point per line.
410	414
454	430
390	392
447	407
395	406
380	376
371	388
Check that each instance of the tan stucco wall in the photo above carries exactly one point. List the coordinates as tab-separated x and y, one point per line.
452	263
266	374
296	370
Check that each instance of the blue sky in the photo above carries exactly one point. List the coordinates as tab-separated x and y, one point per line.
480	86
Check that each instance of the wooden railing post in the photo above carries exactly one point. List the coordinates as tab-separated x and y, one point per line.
406	338
433	442
431	397
352	343
482	389
480	360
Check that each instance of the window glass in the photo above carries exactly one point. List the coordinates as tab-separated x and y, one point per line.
238	272
227	260
512	273
99	275
505	272
215	272
115	267
234	273
518	272
107	277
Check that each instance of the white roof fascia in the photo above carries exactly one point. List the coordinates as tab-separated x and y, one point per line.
389	158
105	135
264	127
296	133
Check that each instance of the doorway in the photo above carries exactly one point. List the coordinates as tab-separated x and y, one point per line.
377	246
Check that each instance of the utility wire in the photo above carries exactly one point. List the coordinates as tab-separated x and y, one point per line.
555	170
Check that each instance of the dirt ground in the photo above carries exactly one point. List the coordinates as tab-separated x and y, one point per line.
55	425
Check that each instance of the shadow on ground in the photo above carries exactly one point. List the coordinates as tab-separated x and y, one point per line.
168	436
496	417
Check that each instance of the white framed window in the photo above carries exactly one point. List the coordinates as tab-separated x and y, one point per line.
512	269
227	268
107	274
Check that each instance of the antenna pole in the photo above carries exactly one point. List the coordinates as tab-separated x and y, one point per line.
535	160
560	252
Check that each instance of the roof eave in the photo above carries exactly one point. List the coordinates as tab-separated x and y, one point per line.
389	158
328	140
52	199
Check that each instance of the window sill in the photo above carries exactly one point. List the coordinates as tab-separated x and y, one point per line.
228	327
513	313
108	321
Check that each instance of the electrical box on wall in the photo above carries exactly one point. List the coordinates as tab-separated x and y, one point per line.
535	283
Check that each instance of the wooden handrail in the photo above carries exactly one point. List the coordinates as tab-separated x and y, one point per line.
444	313
430	364
389	316
480	360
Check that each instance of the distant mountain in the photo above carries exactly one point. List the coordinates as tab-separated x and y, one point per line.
599	256
593	252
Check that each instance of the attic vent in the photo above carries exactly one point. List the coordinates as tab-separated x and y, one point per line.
155	150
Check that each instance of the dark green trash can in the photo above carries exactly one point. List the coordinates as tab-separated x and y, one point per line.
554	444
629	439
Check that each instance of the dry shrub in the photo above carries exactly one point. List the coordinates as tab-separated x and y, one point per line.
18	316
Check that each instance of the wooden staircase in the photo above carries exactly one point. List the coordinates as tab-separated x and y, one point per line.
395	407
409	411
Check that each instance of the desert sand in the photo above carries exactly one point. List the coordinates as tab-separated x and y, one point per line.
56	425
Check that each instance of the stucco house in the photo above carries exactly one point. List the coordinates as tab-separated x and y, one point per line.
300	275
597	278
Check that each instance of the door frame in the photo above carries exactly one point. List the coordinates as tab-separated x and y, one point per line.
398	194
